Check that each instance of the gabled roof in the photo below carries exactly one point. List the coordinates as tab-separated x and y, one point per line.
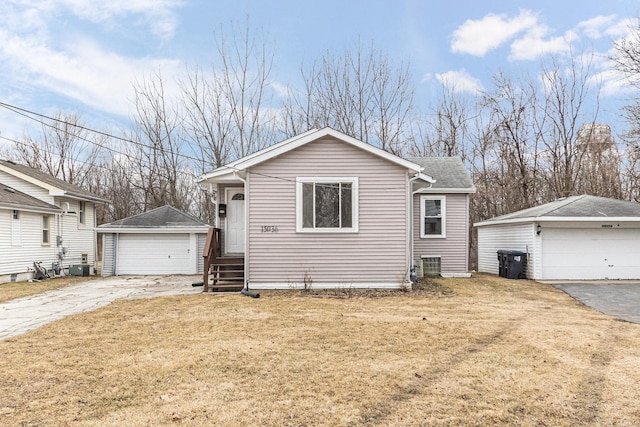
450	173
574	208
55	186
165	217
300	140
14	199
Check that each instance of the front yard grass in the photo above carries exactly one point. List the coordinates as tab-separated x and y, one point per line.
469	352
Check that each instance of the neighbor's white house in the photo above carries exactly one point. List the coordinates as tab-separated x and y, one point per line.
43	219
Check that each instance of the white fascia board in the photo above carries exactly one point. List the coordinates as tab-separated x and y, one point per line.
446	191
426	178
328	285
151	230
310	136
32	209
52	189
543	219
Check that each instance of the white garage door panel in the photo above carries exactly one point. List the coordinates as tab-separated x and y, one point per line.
607	253
154	254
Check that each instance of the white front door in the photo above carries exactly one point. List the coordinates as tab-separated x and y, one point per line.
234	236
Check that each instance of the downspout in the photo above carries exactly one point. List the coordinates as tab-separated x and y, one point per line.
413	193
245	285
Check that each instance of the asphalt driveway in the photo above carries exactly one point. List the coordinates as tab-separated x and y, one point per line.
616	299
24	314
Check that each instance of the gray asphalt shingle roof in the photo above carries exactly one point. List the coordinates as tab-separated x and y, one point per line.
162	217
449	172
70	189
15	199
583	206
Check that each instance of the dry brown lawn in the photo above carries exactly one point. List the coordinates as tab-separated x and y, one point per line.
470	352
13	290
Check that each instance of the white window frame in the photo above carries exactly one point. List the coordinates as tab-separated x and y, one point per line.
328	180
82	217
46	242
443	216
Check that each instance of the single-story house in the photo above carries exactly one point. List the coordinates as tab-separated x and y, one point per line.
164	240
574	238
43	219
325	210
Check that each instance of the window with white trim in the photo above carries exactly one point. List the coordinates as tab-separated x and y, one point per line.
81	212
45	230
433	218
327	204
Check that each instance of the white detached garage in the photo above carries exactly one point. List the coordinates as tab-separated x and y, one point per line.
574	238
161	241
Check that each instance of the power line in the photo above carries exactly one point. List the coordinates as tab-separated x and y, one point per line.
29	113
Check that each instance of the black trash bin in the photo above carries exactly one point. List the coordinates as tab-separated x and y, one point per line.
515	264
502	263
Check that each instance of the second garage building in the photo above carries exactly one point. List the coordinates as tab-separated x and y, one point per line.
164	240
574	238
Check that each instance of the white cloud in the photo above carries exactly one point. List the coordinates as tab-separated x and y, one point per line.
460	81
595	28
535	44
36	57
477	37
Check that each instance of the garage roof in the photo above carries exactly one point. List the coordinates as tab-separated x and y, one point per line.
165	218
575	208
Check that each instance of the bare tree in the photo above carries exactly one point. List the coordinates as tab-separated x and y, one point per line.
162	171
566	94
227	110
359	93
64	148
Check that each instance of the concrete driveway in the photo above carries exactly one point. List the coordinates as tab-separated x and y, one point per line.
24	314
617	299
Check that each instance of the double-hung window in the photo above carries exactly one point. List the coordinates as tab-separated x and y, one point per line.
46	230
81	212
327	204
433	217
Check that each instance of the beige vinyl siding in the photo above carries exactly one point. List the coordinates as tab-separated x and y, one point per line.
453	249
378	252
519	237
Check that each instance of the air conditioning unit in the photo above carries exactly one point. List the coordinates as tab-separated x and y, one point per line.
79	270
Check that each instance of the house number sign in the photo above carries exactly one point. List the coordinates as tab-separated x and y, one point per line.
269	228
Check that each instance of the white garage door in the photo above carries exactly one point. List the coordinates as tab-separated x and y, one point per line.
154	254
588	254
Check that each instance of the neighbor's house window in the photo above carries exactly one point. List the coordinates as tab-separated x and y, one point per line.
433	216
16	214
327	204
81	213
45	229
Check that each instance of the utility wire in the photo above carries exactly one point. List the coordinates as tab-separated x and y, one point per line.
29	113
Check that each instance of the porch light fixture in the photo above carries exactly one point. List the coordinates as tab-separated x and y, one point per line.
538	229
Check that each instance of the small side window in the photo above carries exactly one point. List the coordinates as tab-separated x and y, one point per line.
45	230
16	214
81	216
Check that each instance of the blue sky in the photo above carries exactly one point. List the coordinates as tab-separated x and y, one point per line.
83	55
